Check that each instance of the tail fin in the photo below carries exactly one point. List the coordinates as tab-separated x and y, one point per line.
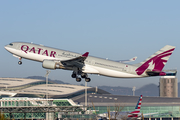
157	61
136	112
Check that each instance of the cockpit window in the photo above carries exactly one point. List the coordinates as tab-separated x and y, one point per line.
11	44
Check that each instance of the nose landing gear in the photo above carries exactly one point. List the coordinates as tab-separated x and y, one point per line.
20	62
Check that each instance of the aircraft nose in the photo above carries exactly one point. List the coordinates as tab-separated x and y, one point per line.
6	47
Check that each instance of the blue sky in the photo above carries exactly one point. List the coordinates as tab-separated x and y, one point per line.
109	29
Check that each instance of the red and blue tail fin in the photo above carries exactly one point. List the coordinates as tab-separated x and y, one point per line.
157	61
136	112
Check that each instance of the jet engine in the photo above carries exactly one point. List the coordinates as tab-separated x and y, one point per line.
51	64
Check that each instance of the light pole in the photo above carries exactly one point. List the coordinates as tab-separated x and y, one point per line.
85	95
47	73
134	89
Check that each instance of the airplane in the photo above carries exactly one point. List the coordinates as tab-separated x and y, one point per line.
124	115
83	64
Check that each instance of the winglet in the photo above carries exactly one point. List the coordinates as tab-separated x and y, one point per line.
133	59
85	54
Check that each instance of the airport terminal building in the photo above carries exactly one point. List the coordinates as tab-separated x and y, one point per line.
32	92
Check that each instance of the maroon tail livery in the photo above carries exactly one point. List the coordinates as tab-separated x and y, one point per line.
156	62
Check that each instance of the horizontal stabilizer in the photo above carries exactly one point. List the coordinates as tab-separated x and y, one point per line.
162	73
126	61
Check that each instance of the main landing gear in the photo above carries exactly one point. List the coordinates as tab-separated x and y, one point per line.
83	75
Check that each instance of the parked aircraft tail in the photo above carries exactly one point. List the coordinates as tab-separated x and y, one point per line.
155	63
136	113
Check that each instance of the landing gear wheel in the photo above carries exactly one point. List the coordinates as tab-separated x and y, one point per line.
20	62
84	75
87	79
78	79
73	75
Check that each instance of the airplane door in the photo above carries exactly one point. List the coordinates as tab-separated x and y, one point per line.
128	68
92	62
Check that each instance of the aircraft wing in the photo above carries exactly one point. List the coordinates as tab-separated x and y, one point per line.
77	62
146	114
126	61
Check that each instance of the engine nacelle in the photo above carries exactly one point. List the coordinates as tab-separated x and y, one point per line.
50	64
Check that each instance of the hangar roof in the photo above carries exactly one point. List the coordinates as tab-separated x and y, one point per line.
53	89
20	87
15	82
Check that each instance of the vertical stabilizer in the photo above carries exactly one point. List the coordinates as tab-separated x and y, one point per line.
136	112
157	61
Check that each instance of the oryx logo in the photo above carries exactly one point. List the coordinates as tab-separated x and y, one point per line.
155	63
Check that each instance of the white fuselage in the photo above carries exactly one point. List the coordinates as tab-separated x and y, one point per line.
93	65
